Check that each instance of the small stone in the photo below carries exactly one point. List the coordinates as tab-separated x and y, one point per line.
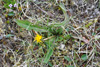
62	46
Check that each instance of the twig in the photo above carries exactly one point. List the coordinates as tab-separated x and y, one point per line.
48	38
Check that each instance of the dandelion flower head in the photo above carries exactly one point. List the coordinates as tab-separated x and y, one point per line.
38	38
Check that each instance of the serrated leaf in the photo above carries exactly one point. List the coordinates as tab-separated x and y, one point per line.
29	26
25	24
48	55
84	57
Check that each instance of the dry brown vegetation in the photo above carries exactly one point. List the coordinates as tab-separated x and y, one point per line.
69	33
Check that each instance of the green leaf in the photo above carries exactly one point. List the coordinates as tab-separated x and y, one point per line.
93	33
67	29
59	24
11	14
67	58
68	36
48	55
49	63
9	35
59	38
25	24
70	66
39	28
29	26
84	57
98	28
64	11
62	6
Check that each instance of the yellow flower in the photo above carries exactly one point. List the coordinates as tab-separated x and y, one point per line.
38	38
